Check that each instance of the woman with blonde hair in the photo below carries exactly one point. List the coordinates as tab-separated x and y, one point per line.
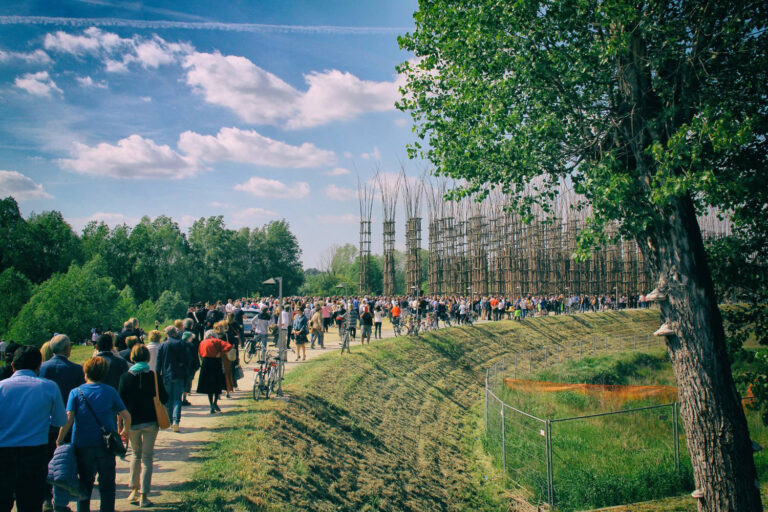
46	351
154	338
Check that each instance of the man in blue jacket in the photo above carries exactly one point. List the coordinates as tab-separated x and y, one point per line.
174	366
30	406
67	375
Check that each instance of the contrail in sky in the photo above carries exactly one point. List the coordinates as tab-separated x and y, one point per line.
192	25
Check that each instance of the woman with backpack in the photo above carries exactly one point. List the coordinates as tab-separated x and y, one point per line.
138	388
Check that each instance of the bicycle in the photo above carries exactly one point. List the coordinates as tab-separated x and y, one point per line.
248	350
345	340
264	382
396	326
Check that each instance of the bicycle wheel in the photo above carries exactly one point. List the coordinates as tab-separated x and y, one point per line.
248	351
269	385
256	387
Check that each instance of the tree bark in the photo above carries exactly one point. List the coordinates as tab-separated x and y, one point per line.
713	417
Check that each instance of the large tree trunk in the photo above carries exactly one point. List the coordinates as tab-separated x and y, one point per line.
713	418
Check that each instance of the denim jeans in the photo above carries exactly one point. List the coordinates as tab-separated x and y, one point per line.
175	389
90	461
22	475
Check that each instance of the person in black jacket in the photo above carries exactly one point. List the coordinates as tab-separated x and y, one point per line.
117	365
137	390
174	365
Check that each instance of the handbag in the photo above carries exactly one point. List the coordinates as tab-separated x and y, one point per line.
163	421
112	442
238	373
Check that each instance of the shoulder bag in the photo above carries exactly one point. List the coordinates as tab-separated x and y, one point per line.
111	440
163	421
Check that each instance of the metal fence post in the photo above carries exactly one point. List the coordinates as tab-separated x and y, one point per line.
486	406
677	437
503	442
550	472
515	364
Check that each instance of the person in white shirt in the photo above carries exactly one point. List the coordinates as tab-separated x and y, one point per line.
153	345
378	315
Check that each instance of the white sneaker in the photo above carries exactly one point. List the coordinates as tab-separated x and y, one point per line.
175	427
665	330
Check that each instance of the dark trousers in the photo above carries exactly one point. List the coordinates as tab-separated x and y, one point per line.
90	461
22	477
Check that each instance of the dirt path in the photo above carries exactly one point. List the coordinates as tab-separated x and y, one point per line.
176	454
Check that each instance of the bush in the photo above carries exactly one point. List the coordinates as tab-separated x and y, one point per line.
70	303
147	314
170	306
15	289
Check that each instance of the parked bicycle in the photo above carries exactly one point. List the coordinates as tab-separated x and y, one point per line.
266	376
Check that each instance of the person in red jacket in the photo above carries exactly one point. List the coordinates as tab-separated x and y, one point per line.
211	379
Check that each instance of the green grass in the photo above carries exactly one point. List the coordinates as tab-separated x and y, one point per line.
607	460
393	426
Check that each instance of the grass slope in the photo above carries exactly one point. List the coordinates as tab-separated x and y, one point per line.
389	427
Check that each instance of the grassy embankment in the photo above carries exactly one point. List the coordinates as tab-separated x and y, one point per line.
393	426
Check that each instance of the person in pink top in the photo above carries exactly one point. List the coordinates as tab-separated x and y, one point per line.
325	311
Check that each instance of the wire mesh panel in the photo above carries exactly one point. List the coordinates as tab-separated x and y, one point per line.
526	454
618	457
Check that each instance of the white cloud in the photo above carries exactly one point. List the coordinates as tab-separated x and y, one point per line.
250	217
87	81
347	154
218	204
13	183
264	187
401	121
253	93
109	218
118	52
37	84
340	193
375	154
92	41
347	218
337	96
338	171
248	146
260	97
132	158
145	99
36	57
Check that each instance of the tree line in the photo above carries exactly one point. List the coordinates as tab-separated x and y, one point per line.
50	275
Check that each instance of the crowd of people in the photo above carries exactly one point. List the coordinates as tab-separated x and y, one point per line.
50	403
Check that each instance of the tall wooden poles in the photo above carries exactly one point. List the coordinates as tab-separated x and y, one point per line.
389	190
365	196
413	191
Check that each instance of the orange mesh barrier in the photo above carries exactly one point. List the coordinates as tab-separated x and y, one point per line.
611	392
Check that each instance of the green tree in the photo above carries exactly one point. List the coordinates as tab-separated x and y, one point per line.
15	289
651	111
158	252
170	305
71	303
283	256
56	246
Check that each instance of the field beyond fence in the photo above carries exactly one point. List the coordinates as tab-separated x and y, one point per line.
615	441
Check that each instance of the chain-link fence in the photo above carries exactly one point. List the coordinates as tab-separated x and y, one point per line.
594	460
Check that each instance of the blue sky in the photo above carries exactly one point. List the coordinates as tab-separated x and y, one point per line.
255	110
